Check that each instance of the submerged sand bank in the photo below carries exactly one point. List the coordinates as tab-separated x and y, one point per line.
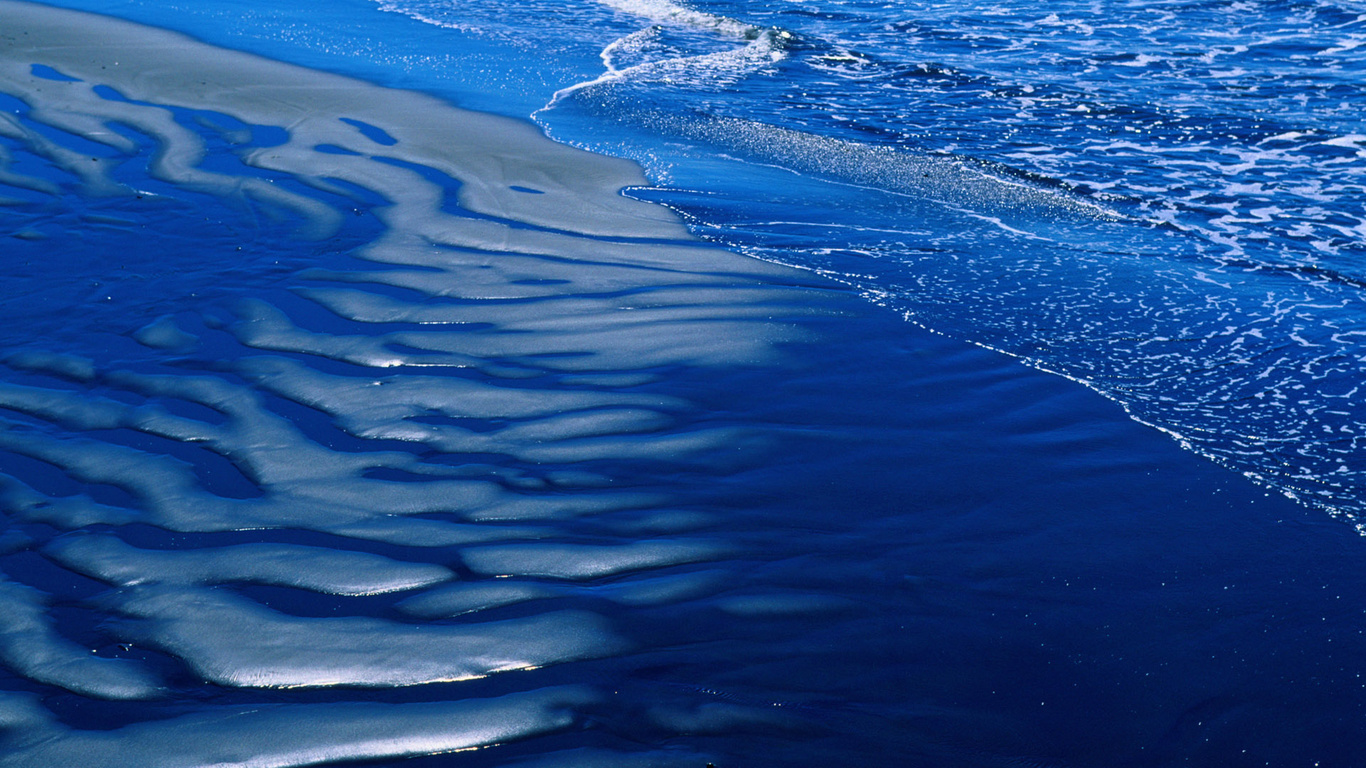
489	155
540	303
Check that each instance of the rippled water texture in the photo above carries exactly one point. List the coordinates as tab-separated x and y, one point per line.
405	346
339	424
1162	201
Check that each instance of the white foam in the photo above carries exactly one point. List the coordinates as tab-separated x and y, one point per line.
673	13
762	48
1343	46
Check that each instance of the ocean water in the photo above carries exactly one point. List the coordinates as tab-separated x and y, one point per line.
628	383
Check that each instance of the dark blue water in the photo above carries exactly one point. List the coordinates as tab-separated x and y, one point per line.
1000	411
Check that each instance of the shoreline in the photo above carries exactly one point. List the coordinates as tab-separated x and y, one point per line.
603	452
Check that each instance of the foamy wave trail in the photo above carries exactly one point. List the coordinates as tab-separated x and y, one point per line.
656	54
671	84
1193	259
663	11
420	418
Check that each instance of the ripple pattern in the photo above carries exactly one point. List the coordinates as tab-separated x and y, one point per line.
417	430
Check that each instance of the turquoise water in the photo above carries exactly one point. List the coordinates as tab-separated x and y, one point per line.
635	384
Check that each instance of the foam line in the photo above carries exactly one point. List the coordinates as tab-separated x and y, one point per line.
959	184
673	13
761	47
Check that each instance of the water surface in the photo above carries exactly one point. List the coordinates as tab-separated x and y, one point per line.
866	418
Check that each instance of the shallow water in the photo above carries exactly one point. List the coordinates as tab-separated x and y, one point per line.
345	417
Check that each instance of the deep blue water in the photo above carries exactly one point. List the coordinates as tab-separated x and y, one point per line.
998	405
